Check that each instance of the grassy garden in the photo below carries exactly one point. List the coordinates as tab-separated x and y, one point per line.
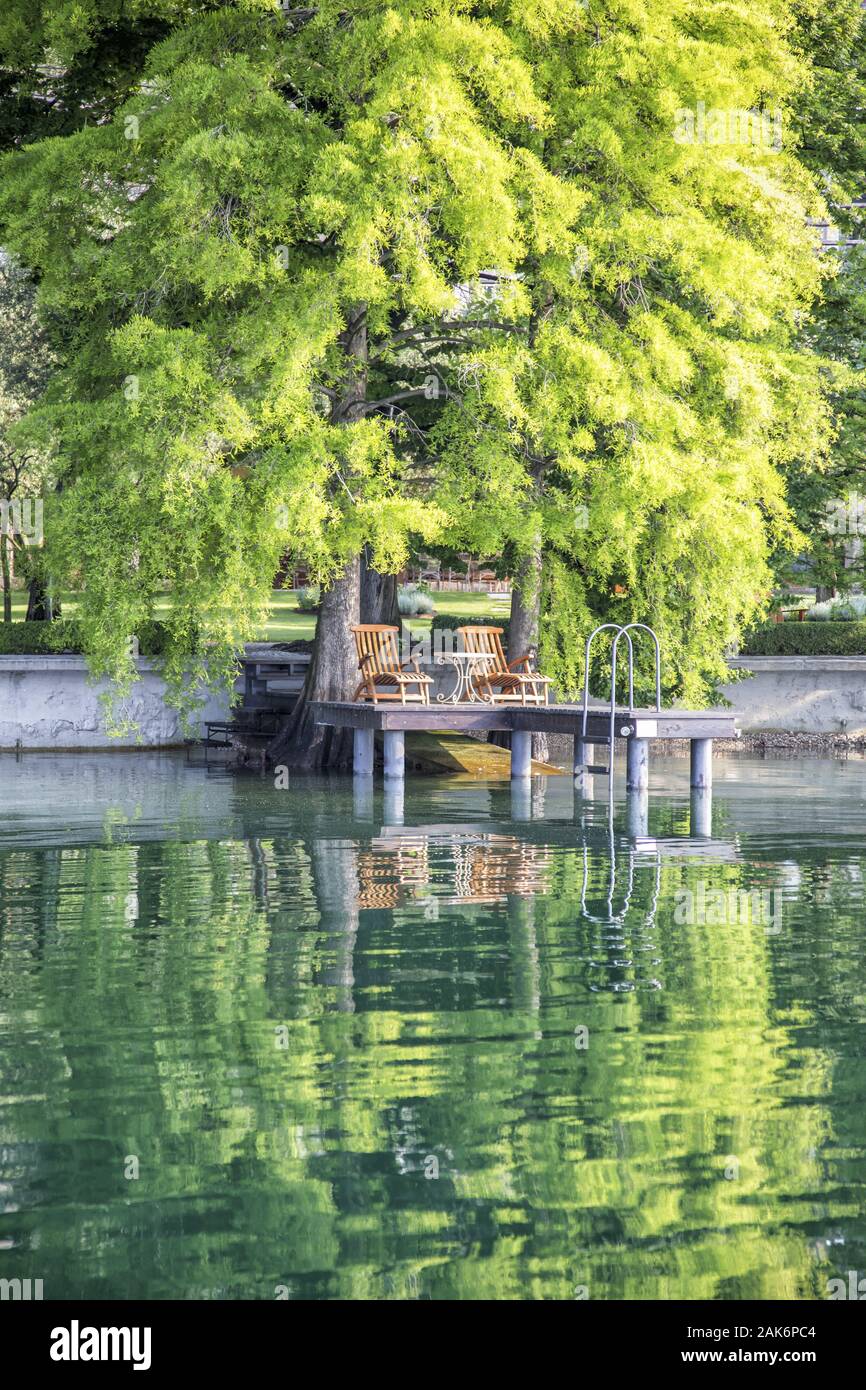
288	624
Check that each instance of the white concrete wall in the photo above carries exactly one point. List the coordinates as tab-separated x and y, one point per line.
49	702
800	694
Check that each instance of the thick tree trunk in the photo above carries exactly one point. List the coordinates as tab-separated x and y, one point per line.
823	592
6	572
40	609
333	675
378	595
524	628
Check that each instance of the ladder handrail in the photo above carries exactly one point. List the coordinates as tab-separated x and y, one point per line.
644	627
601	628
624	632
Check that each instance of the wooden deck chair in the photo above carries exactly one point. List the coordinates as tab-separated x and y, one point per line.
382	676
499	681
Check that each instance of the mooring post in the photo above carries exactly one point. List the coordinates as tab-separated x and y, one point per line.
393	801
637	812
702	811
521	798
521	753
582	755
395	763
362	753
636	764
583	786
702	762
362	797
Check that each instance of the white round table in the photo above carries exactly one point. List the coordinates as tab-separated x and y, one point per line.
465	665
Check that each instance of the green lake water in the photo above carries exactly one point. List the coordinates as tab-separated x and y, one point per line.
261	1043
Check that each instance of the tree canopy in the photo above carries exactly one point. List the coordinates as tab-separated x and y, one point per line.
267	246
827	501
659	391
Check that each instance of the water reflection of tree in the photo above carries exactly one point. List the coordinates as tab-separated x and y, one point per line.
163	980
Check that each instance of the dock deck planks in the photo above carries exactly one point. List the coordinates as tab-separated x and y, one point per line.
540	719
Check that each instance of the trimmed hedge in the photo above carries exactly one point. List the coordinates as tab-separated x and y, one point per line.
63	637
448	622
806	639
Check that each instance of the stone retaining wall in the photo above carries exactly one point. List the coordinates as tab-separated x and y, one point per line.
49	702
800	694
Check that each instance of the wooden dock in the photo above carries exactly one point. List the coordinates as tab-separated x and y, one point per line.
637	728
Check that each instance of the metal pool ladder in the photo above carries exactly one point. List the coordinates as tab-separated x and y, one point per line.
625	631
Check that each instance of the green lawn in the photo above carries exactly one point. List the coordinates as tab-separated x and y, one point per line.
286	623
471	605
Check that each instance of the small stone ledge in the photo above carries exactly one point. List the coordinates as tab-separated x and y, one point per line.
807	664
60	661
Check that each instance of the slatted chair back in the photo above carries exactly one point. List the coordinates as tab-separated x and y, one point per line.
485	641
378	642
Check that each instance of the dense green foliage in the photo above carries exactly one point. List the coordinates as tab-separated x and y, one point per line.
69	65
806	639
68	636
658	391
829	115
831	131
829	504
255	260
246	249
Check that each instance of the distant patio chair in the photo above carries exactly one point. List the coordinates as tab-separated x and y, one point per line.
430	570
382	676
499	681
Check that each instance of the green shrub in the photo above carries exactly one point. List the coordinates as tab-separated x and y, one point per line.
309	599
806	639
818	613
152	638
851	609
414	602
64	637
39	639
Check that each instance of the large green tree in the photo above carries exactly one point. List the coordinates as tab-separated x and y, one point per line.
253	250
828	503
657	390
828	115
269	256
828	119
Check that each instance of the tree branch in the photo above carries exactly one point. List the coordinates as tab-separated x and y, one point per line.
429	332
391	400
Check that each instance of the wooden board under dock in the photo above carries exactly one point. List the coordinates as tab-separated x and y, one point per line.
458	755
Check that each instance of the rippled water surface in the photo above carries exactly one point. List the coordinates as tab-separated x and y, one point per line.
459	1046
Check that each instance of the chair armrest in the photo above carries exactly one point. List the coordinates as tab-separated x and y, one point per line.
413	662
521	661
362	660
